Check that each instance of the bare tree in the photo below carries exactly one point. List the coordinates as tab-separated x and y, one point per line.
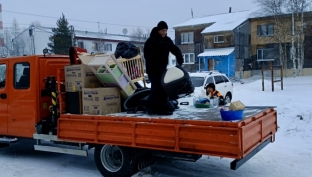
14	44
35	23
275	9
8	47
297	9
138	36
15	30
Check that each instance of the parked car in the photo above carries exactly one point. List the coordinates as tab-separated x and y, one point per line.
221	81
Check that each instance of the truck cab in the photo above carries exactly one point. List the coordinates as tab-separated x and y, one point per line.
22	104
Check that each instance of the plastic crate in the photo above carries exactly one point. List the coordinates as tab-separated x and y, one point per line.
231	114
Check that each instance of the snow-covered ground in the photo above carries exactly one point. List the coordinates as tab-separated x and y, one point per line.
290	155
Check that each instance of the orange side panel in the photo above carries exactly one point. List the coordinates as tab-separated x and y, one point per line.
258	131
224	140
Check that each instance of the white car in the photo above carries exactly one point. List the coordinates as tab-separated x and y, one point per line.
221	81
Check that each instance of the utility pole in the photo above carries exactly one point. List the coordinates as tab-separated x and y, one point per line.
101	46
72	35
293	52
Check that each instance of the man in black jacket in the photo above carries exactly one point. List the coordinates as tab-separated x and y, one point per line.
156	54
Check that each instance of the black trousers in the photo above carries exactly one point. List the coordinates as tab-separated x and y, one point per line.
158	96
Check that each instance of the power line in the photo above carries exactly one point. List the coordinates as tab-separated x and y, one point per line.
84	21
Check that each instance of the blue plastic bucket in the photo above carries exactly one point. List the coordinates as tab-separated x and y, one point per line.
231	114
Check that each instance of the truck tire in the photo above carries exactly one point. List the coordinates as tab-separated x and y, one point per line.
113	161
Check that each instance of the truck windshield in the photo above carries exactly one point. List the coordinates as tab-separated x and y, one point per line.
197	81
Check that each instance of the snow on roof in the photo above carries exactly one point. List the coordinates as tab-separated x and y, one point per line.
217	52
89	34
92	34
221	22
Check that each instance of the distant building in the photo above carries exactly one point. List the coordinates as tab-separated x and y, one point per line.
36	38
215	42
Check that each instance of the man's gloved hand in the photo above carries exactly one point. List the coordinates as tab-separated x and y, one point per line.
180	62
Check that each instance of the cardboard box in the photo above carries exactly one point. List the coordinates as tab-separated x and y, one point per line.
237	105
101	101
80	76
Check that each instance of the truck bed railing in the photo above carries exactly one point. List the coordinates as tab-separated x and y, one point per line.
224	139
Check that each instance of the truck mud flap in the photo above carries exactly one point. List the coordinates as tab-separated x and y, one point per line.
5	142
239	162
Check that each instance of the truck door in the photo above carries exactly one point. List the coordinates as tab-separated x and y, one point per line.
3	97
23	99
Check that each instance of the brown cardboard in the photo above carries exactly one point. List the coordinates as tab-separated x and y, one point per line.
237	105
101	101
80	76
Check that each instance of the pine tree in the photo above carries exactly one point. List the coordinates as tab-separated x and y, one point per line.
61	40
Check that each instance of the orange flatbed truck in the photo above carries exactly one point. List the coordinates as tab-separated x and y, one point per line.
123	142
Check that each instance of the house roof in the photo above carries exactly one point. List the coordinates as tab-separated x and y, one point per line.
91	34
217	52
220	22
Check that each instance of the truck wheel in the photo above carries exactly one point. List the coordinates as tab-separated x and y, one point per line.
114	161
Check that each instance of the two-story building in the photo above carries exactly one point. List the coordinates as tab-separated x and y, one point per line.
271	42
35	38
219	40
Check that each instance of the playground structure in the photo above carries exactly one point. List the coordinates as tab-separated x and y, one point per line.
272	68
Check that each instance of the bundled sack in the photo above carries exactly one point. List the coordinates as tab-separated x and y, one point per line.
140	101
126	50
177	83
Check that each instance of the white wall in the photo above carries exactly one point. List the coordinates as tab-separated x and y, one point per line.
41	40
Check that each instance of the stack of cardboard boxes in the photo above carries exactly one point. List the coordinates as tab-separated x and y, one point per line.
85	94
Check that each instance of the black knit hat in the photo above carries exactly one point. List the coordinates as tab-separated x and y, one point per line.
162	25
211	85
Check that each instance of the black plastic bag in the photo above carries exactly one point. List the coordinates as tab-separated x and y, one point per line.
140	101
126	50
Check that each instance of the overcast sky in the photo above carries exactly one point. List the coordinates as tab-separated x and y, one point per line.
115	14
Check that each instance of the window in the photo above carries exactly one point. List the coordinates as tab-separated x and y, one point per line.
265	30
108	47
219	39
2	75
95	46
197	81
265	54
218	79
187	37
209	80
21	75
80	44
225	79
189	58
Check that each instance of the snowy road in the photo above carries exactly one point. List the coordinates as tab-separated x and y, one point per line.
289	156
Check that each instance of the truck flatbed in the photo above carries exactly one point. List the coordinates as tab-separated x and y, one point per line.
192	131
191	113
